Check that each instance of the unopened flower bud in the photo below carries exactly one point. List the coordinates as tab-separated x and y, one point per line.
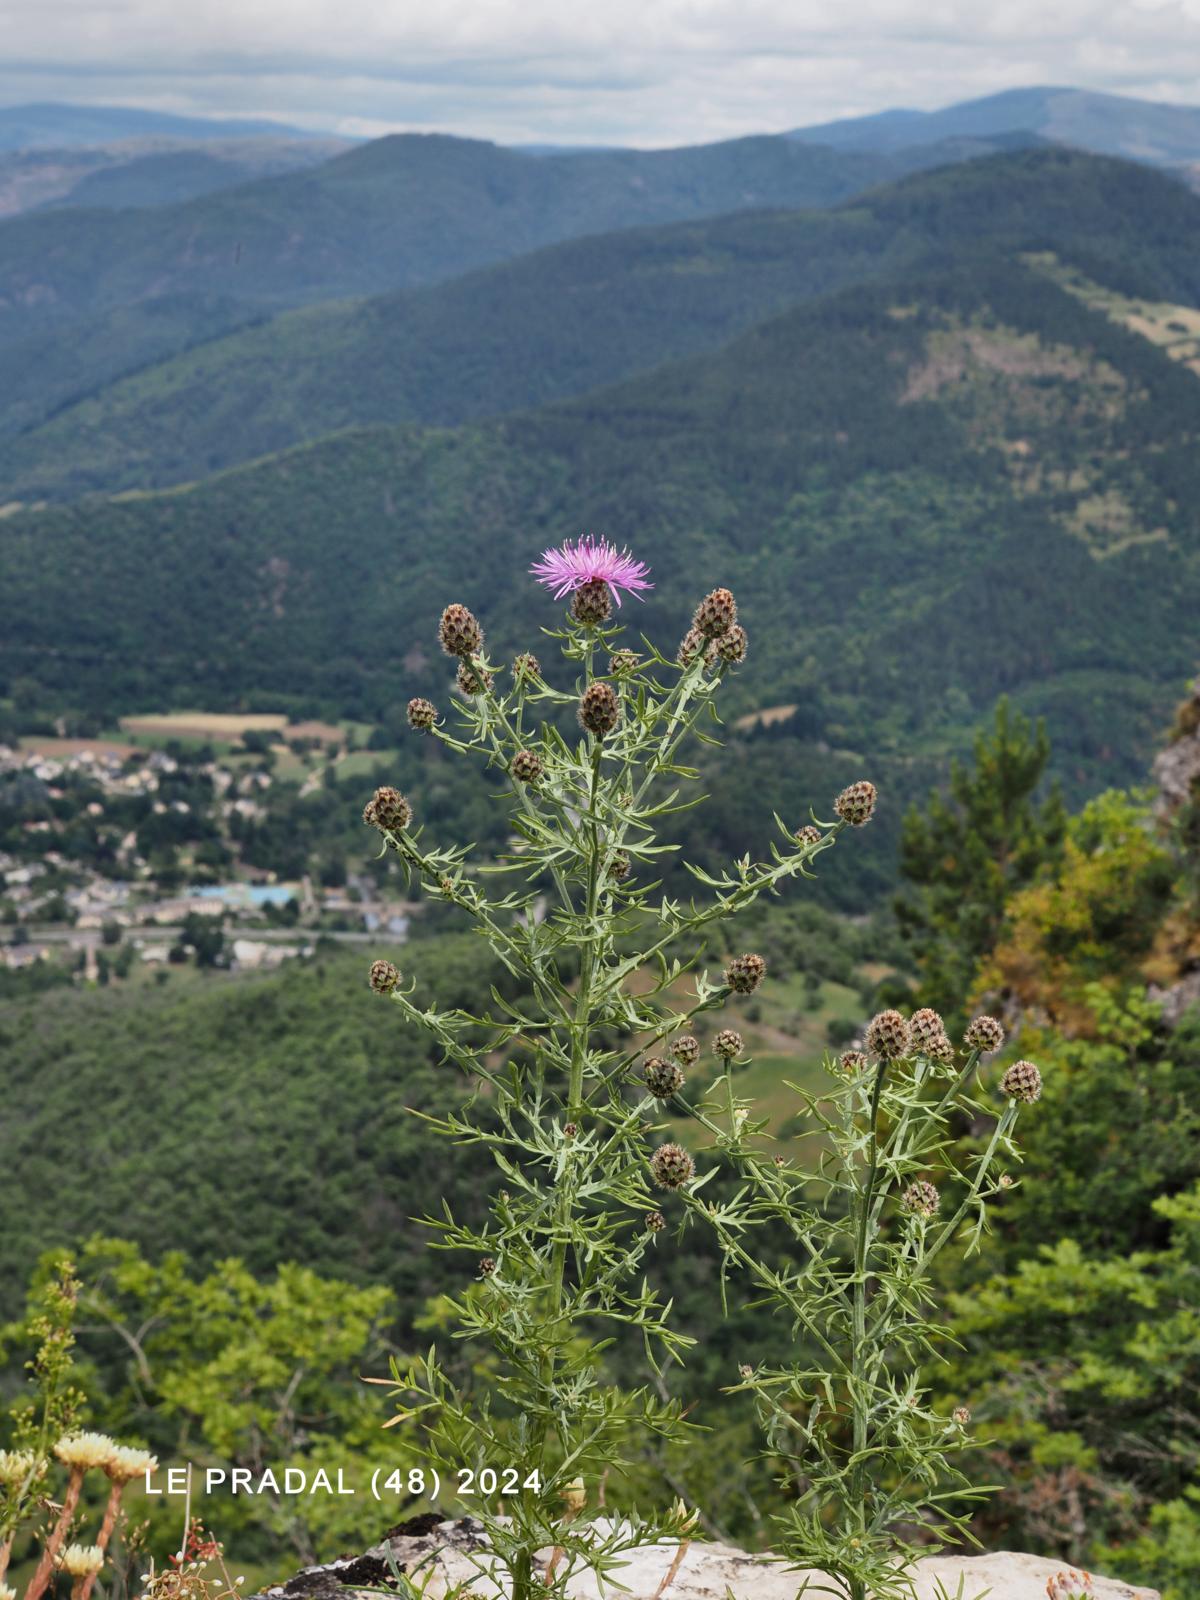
1022	1081
921	1198
686	1049
459	632
388	810
570	1130
715	614
887	1035
925	1026
729	647
1004	1181
618	867
487	1267
591	604
526	666
744	973
422	714
808	834
962	1415
599	708
671	1166
663	1078
728	1043
622	661
856	804
527	766
384	977
984	1034
655	1222
472	681
853	1062
691	647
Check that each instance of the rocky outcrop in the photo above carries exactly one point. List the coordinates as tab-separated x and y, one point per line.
441	1556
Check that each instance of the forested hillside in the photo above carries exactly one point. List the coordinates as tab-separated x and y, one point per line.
567	319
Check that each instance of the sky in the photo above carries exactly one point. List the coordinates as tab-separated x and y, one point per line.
644	72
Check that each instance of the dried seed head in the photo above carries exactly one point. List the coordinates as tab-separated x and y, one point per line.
471	681
459	632
655	1222
1022	1081
663	1078
921	1198
984	1034
715	614
887	1035
808	834
686	1049
388	811
856	803
671	1166
526	666
962	1415
618	867
1071	1585
384	977
622	661
599	708
744	973
729	647
527	766
728	1043
853	1062
422	714
591	604
691	647
487	1267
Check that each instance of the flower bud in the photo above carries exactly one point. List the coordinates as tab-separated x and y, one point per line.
808	834
526	666
921	1199
422	714
691	647
384	977
744	973
591	604
887	1035
984	1034
599	709
671	1167
622	661
655	1222
459	632
686	1049
527	766
618	867
925	1027
728	1043
663	1078
570	1130
853	1062
962	1415
487	1267
388	810
729	647
1022	1081
715	614
472	681
856	804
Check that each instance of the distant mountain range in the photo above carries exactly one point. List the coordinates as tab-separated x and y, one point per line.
1109	124
54	126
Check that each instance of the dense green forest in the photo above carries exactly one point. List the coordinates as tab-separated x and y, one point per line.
569	318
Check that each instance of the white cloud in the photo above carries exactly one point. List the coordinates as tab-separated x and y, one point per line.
640	71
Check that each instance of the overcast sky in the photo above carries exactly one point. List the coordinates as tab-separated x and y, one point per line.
647	72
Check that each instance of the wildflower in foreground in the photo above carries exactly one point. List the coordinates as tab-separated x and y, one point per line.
459	632
80	1560
599	708
388	810
384	977
715	614
588	560
422	714
856	803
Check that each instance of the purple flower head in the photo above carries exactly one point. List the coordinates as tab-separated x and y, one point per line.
589	560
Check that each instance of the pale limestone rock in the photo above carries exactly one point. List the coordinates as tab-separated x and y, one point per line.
707	1572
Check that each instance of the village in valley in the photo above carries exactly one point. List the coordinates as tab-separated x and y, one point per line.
175	842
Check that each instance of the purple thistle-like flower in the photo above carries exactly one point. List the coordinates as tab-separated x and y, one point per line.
587	560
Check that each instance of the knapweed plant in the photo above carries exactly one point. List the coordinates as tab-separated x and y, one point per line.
571	1083
869	1463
